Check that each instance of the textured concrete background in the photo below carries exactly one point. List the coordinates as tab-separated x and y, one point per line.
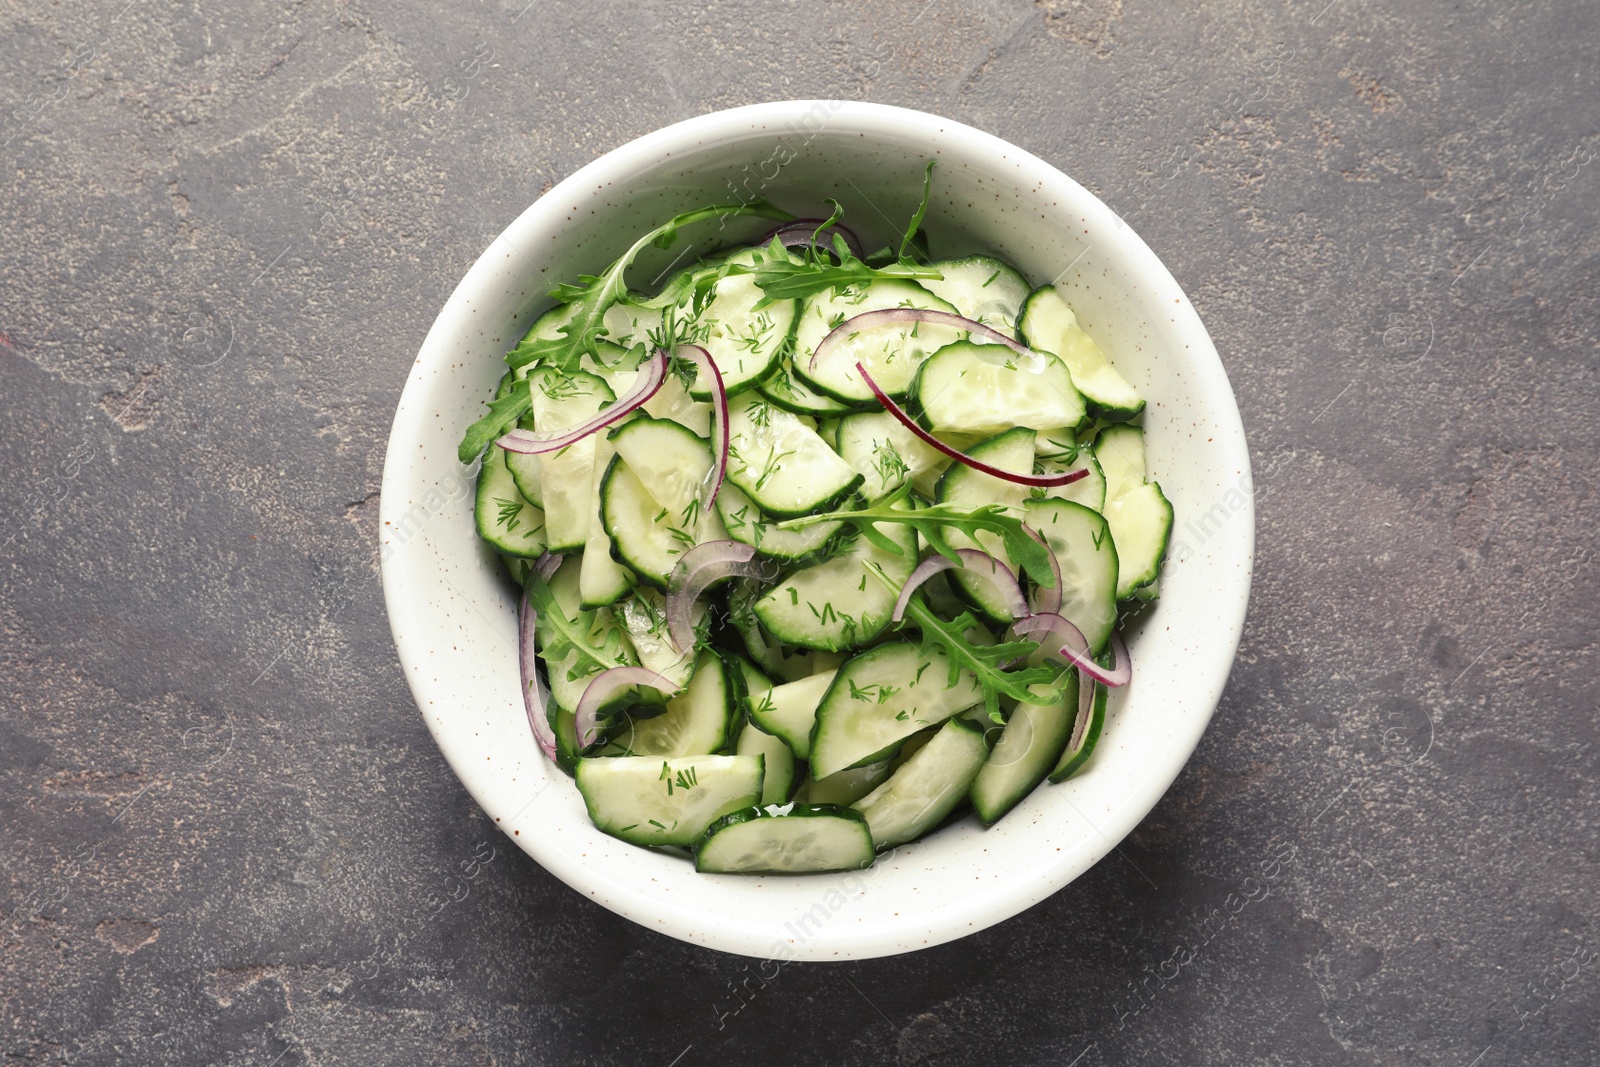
228	837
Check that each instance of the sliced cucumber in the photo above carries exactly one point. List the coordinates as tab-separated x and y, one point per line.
670	459
744	339
778	785
885	452
602	581
968	488
793	841
1086	552
878	699
1048	324
983	288
840	602
781	463
789	711
629	322
891	353
697	721
772	656
648	800
927	788
644	616
528	472
563	723
560	401
1081	747
846	787
746	523
1033	739
986	389
1057	451
1139	515
505	519
788	392
648	537
590	642
672	401
547	327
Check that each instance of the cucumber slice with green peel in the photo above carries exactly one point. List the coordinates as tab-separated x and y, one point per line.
1027	750
1058	451
1047	324
800	839
789	711
504	518
745	340
881	697
697	721
885	452
644	616
1086	553
563	723
561	401
840	603
1139	514
672	401
649	800
788	392
927	788
780	462
648	538
629	323
968	488
984	288
778	785
891	353
781	661
1080	748
846	787
987	389
586	642
670	459
782	774
602	581
527	471
746	523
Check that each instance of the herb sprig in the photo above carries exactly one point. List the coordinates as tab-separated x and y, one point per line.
986	663
935	523
590	299
780	277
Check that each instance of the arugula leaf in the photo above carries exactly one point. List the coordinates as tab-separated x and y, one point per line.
590	300
986	663
935	522
781	278
503	415
919	214
560	635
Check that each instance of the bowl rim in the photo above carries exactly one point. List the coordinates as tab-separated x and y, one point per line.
653	149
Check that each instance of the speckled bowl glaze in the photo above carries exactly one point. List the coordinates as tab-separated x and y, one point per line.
453	614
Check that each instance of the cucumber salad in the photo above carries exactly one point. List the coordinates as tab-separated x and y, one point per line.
817	547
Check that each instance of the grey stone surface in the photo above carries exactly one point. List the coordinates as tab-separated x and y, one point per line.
226	228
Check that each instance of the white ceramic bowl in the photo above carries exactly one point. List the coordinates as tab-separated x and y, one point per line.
454	618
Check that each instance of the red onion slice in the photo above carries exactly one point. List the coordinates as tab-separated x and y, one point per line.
586	719
534	694
1067	642
1049	598
700	568
707	367
956	454
973	560
651	375
799	233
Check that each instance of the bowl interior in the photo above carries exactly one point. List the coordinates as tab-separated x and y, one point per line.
453	614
